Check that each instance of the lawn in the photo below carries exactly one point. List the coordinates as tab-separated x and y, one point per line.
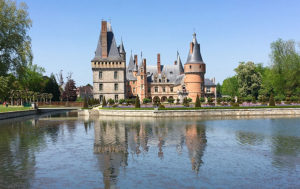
13	108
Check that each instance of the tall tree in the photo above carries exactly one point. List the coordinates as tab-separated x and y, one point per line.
52	87
15	44
70	91
230	86
249	79
285	67
219	92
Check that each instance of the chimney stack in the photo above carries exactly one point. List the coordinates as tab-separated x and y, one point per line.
104	38
158	64
144	64
175	62
135	59
191	47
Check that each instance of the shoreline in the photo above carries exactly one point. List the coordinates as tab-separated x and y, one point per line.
190	113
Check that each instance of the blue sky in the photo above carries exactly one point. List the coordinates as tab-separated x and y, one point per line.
65	32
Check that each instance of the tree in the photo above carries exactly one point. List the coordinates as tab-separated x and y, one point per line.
85	102
219	90
104	102
249	79
4	88
230	86
197	104
70	91
51	86
146	100
171	100
15	44
32	78
285	68
271	100
137	102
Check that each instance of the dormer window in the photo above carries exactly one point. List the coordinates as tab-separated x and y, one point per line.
171	73
155	79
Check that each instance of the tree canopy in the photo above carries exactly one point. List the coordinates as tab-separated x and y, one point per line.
15	43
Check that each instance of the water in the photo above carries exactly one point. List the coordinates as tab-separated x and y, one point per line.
66	151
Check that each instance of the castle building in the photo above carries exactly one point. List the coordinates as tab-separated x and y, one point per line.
113	79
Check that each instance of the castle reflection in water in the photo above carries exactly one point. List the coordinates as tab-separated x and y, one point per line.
116	139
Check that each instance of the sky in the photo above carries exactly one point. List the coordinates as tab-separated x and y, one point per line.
65	33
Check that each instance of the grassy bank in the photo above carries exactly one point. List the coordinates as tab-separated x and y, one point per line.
13	108
202	108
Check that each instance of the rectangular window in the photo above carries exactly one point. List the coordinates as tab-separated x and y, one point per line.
156	89
208	89
101	98
171	89
116	98
149	89
142	77
100	87
142	87
116	86
100	75
115	75
133	89
164	89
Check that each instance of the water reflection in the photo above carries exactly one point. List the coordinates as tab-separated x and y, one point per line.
115	139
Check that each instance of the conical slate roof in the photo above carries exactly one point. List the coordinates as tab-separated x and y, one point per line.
122	50
179	64
195	56
131	65
112	49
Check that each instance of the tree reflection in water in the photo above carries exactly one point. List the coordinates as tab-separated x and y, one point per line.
115	139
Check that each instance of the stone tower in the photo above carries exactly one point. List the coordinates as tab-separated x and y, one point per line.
194	70
109	66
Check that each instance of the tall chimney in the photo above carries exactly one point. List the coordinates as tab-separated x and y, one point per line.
158	64
144	64
191	47
104	38
135	59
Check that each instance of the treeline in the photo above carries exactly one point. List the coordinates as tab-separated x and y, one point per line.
257	82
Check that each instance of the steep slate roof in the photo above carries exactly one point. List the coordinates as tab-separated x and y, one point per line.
131	67
112	49
195	57
209	83
121	47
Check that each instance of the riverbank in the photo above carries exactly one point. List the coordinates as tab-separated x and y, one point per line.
190	112
30	111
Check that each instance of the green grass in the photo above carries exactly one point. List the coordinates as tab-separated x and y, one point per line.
13	108
202	108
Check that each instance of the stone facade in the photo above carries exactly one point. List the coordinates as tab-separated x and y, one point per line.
113	79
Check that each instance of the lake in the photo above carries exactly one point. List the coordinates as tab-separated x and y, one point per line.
66	151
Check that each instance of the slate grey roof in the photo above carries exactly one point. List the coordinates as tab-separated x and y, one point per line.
131	67
121	48
112	49
171	72
179	63
209	83
195	57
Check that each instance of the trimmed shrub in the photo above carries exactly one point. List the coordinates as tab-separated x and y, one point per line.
137	102
121	101
146	100
197	104
186	102
202	99
171	100
156	101
189	100
177	101
104	103
271	100
219	100
111	101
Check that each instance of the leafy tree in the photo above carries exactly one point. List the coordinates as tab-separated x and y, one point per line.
271	100
137	102
32	78
15	44
156	100
104	102
230	86
285	67
197	104
249	79
52	87
4	88
70	91
111	101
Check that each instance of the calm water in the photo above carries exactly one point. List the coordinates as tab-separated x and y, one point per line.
66	151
